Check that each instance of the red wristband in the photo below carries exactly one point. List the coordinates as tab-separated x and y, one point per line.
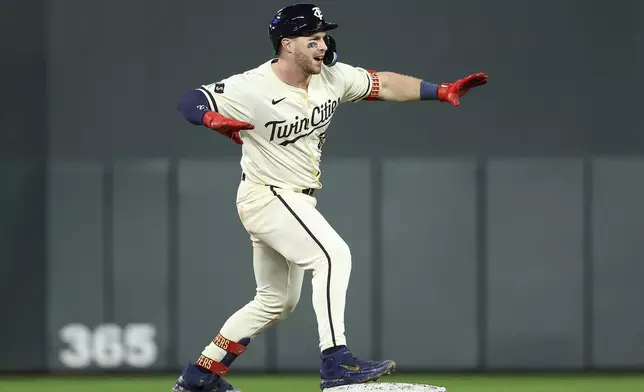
375	86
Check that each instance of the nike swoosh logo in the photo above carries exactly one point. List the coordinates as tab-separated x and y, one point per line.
275	102
351	368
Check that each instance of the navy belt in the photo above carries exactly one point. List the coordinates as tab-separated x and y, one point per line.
307	191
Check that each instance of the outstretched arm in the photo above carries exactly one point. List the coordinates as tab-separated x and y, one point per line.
196	109
401	88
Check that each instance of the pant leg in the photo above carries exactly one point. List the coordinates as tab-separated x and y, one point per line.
289	222
279	285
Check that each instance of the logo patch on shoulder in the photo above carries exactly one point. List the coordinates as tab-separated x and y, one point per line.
219	88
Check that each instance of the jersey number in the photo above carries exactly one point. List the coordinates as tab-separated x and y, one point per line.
322	139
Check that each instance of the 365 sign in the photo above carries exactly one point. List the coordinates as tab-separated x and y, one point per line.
108	346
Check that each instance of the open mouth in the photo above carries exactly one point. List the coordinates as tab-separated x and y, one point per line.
318	58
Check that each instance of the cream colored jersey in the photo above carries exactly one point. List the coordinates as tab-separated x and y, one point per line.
285	147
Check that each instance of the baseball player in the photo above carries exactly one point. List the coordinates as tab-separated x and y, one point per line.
279	113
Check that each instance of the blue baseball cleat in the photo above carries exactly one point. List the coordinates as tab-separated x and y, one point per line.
342	368
195	380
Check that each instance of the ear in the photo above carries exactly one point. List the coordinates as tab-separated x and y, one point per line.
287	45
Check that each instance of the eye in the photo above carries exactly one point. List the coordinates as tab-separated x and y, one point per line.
312	44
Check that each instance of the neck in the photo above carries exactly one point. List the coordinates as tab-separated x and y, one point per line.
291	74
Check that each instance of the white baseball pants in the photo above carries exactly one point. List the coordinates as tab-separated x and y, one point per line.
289	236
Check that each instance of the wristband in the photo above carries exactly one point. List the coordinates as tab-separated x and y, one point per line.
375	86
428	91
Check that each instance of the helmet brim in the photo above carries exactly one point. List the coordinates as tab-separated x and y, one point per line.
320	27
329	26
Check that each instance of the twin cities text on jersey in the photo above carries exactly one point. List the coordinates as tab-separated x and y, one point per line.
286	133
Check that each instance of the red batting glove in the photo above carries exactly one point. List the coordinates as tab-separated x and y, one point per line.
451	92
228	127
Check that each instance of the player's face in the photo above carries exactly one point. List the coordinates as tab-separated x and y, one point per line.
309	53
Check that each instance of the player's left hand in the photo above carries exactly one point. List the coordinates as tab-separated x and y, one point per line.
451	92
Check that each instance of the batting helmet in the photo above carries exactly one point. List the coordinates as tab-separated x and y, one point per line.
301	20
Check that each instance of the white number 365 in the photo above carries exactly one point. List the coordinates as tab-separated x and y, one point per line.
108	345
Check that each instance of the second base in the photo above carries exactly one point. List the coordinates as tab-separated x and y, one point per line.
386	387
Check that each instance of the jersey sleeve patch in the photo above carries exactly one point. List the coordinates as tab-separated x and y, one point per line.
231	97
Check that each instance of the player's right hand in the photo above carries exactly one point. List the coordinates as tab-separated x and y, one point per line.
228	127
